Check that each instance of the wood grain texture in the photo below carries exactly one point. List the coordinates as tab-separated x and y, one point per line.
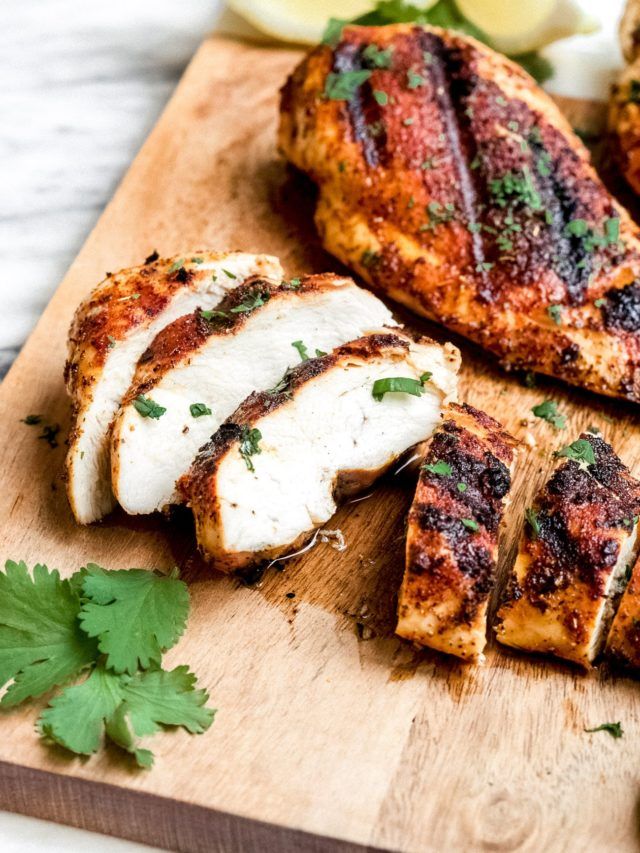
321	734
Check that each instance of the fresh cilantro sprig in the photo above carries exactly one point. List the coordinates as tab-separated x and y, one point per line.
113	626
614	729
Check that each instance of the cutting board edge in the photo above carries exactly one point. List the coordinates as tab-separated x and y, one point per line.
148	818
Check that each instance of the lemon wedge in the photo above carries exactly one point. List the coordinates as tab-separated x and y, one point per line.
518	26
302	20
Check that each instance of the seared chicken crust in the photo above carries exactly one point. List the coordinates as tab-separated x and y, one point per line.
452	535
448	180
573	556
277	468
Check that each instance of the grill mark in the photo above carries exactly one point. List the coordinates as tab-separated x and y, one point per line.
451	90
362	108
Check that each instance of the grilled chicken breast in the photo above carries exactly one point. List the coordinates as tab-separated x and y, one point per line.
201	367
623	642
452	535
277	467
579	539
624	105
450	181
110	330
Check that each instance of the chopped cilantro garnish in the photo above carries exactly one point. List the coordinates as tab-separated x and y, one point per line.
250	303
470	524
342	86
302	350
461	487
199	409
414	80
555	312
229	274
600	303
532	519
407	122
376	58
548	411
147	408
249	445
176	265
440	468
381	97
579	451
396	384
333	31
369	258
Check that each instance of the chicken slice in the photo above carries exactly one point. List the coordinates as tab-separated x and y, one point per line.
277	467
623	642
109	332
452	535
258	332
579	539
451	182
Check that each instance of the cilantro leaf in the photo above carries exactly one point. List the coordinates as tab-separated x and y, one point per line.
375	57
343	86
75	718
147	408
41	644
579	451
548	411
250	445
397	385
302	350
333	31
532	519
198	410
441	468
470	524
154	699
135	614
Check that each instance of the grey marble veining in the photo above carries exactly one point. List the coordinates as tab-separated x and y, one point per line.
82	84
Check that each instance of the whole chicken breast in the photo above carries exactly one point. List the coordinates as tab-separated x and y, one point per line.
450	181
203	365
452	534
110	330
276	469
580	538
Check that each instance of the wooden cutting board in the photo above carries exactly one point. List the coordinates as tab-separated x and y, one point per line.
330	733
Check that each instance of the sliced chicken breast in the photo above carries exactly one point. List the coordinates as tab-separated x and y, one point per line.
580	537
452	535
110	330
199	370
277	467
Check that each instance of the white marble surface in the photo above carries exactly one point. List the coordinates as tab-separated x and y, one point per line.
82	84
